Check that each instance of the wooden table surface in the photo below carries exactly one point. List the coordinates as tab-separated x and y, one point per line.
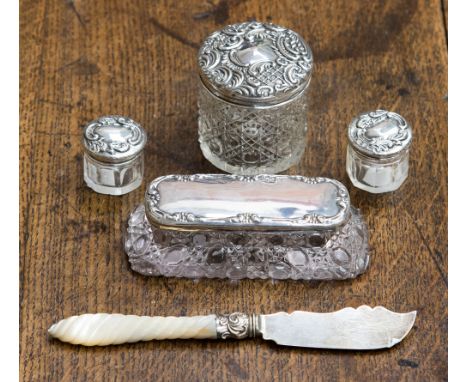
83	59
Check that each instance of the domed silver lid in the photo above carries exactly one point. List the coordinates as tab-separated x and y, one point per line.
379	133
255	63
113	138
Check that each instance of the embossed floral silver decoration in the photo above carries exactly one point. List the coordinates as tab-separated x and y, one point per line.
114	138
283	242
255	62
252	98
113	158
378	151
235	325
379	133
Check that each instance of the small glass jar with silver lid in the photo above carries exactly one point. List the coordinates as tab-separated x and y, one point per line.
253	98
113	158
378	151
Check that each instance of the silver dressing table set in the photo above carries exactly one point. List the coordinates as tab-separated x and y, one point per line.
252	106
251	223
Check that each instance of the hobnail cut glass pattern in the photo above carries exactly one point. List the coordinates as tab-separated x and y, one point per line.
308	255
249	141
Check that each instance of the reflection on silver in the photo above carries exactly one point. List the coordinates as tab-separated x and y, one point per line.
364	328
239	202
380	134
255	63
113	139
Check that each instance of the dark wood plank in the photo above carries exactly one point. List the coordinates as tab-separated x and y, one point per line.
445	15
82	59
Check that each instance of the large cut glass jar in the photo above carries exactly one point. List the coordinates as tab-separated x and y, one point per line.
377	158
253	98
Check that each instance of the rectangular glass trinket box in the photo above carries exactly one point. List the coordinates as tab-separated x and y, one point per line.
231	226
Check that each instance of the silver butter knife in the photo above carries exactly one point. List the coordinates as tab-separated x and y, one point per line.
364	328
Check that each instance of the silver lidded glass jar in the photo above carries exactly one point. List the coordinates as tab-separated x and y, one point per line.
253	98
378	151
113	157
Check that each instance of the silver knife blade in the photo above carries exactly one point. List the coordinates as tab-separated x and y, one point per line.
364	328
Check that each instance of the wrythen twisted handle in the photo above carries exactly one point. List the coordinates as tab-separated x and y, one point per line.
111	329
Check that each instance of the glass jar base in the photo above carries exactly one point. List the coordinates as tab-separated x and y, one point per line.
115	191
376	189
113	178
374	175
278	167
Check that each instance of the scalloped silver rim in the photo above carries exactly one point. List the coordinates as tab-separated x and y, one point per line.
392	147
101	150
160	218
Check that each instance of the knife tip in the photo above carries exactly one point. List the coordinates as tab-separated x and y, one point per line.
409	319
412	315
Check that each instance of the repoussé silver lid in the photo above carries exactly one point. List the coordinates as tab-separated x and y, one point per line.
262	202
255	63
113	138
379	134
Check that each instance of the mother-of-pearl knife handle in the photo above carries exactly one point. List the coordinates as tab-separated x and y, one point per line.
102	329
112	329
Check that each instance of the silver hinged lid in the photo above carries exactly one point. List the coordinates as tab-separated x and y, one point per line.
113	138
255	63
379	134
262	202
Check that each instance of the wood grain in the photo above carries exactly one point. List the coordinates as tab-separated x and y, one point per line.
83	59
